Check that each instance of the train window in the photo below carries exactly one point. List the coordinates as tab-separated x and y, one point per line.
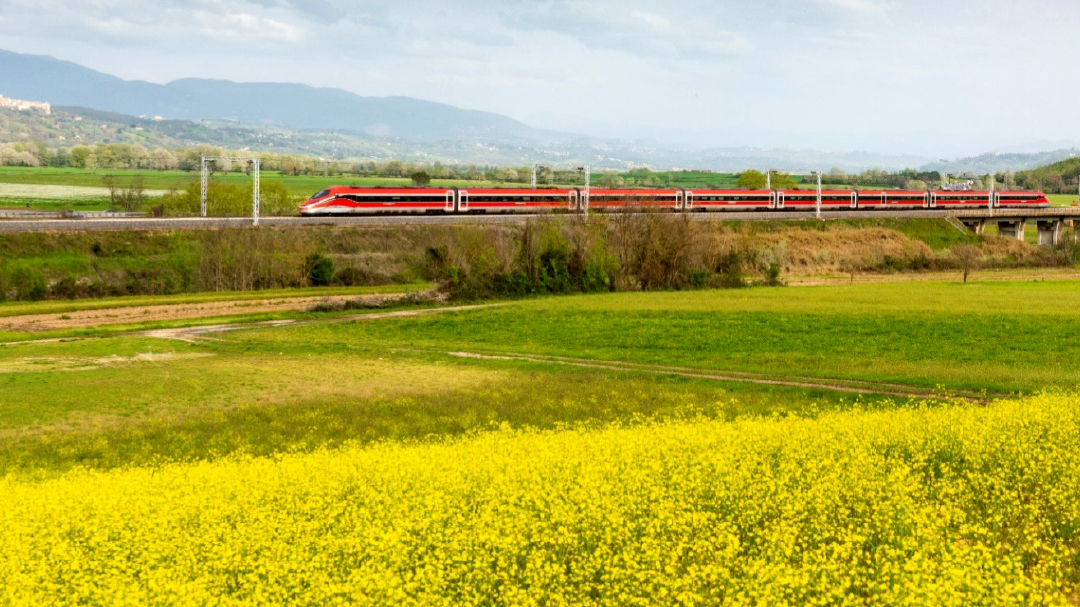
321	194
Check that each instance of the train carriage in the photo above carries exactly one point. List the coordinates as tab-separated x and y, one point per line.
507	200
601	199
1021	199
804	200
345	200
960	199
730	200
893	199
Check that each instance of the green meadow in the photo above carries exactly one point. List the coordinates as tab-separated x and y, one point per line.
115	397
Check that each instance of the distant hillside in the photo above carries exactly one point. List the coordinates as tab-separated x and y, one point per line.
1000	161
63	83
1059	178
72	126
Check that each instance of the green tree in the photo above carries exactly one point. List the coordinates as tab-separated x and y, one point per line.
781	181
751	180
421	179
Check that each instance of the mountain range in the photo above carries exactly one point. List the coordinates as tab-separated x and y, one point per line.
37	77
337	123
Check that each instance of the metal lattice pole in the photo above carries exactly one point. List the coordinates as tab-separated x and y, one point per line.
588	170
818	173
255	191
203	183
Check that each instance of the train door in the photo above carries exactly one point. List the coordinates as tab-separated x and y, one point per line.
572	198
450	199
780	200
933	200
854	200
926	200
463	201
689	197
772	199
995	199
884	199
679	196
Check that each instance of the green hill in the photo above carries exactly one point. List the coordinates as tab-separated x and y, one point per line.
1057	178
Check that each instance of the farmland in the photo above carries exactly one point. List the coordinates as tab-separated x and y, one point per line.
580	445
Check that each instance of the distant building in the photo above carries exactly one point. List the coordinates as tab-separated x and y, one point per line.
25	106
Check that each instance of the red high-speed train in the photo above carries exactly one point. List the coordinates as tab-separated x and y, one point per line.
347	200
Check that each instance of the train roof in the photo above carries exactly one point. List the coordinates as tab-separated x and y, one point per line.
516	191
735	191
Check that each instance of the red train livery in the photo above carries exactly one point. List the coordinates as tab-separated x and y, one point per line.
346	200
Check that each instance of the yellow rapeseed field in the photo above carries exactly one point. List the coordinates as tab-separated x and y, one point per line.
961	505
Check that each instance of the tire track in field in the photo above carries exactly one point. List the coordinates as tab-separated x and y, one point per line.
839	385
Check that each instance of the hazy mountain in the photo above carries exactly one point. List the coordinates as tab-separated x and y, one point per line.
1000	161
64	83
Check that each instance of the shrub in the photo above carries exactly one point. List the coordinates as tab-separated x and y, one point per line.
319	270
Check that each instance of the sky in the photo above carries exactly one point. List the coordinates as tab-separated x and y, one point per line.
937	78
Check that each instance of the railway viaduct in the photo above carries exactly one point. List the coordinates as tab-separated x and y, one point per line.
1011	222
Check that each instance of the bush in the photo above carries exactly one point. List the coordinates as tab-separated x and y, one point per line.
319	270
772	275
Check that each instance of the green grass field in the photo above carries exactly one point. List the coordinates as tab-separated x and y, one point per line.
1062	200
116	399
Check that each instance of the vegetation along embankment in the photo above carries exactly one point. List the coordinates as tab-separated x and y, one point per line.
552	255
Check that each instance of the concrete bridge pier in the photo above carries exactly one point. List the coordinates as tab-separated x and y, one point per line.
1049	231
977	225
1012	228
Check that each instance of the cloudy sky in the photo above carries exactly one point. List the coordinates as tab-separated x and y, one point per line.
933	77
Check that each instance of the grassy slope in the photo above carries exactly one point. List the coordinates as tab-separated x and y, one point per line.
264	390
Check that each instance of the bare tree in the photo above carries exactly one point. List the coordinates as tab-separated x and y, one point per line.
968	257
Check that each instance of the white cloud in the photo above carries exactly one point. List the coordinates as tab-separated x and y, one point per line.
866	7
653	21
247	26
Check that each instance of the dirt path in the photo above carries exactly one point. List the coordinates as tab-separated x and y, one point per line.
823	383
90	318
193	334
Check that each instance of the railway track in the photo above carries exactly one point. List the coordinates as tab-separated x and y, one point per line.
26	224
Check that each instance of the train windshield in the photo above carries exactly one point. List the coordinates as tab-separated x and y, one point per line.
320	194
